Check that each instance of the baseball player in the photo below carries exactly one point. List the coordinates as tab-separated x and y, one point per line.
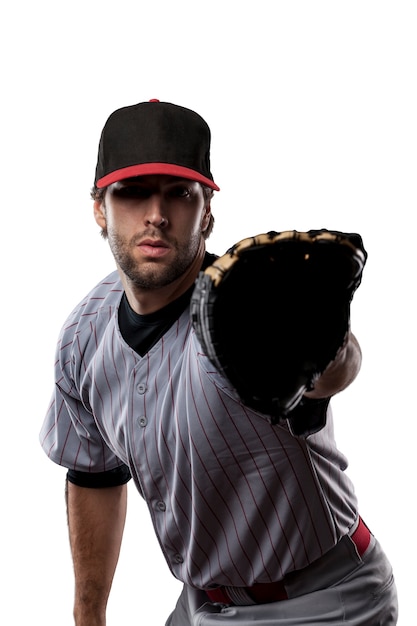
255	516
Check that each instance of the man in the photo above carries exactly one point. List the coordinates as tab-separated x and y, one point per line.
260	524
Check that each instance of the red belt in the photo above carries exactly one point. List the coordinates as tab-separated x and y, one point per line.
262	593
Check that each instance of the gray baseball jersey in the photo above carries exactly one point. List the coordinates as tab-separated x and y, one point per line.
234	500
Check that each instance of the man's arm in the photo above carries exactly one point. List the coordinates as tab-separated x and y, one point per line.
341	372
96	519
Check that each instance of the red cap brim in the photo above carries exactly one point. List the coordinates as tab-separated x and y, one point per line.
150	169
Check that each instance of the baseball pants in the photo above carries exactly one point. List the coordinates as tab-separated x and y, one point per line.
342	589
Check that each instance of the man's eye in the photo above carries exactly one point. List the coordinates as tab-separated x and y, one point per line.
180	191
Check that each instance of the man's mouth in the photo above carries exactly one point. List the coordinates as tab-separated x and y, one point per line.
155	248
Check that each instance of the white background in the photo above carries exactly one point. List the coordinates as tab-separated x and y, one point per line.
313	109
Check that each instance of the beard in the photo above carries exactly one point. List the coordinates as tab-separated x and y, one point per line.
152	274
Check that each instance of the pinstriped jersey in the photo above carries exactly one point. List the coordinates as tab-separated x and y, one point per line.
234	500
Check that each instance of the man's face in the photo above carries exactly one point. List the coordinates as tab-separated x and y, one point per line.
154	226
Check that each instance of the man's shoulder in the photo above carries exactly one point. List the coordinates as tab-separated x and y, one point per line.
103	298
108	291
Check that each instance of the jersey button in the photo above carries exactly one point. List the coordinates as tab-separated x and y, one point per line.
141	388
178	558
161	506
142	420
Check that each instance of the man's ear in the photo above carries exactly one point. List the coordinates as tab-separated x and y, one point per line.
99	214
206	218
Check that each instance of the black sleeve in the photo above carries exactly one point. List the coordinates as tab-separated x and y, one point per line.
99	480
308	417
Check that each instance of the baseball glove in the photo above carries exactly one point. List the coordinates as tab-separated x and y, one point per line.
272	312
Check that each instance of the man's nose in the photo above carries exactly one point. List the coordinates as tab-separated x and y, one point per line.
155	213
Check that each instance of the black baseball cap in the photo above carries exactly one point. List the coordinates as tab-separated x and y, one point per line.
154	138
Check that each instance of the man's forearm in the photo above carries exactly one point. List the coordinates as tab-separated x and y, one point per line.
96	519
341	372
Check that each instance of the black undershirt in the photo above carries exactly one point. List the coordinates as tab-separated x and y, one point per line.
141	332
